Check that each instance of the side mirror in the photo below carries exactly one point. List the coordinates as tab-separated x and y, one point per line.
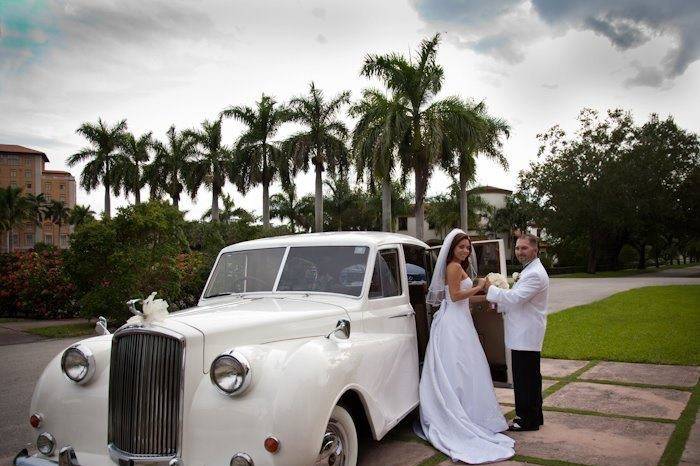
341	330
101	326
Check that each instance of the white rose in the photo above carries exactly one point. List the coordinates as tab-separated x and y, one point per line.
498	280
516	276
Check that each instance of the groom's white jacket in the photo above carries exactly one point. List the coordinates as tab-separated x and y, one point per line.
524	308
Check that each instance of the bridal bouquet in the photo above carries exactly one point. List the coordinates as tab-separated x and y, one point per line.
153	310
498	280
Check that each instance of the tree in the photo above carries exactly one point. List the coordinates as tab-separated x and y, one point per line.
580	183
80	215
260	160
518	213
103	157
59	213
37	206
230	212
437	128
167	171
443	210
286	206
379	134
321	143
134	152
212	165
487	142
14	210
661	159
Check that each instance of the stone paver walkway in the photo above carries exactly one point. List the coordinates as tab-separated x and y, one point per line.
598	413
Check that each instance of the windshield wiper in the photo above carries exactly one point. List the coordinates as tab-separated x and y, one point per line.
218	294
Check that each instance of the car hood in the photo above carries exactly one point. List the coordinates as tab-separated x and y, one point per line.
259	320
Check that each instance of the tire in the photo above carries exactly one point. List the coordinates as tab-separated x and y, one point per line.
342	427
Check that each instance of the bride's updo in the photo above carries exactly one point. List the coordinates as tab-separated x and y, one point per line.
459	237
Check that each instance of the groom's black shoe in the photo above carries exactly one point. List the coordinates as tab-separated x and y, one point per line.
518	426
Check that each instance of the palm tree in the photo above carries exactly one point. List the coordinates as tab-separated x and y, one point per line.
444	209
260	160
285	205
14	210
487	142
341	200
212	166
437	127
378	136
322	143
80	215
133	153
59	213
230	212
167	171
103	157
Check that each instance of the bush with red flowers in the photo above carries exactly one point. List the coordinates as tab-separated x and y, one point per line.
34	285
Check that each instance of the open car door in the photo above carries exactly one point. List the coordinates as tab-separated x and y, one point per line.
491	257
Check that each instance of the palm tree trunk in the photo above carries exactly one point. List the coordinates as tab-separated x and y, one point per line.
108	203
463	212
386	204
266	203
137	190
419	211
215	189
318	200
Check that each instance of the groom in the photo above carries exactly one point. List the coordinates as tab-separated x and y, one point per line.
524	309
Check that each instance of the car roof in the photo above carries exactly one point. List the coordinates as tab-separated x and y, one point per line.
336	238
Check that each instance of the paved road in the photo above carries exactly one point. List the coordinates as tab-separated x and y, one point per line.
20	368
568	292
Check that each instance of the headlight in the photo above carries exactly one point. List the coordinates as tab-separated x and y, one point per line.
78	363
230	372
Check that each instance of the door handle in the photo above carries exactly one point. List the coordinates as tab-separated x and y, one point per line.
405	314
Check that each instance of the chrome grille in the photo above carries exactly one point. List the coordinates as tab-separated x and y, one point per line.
145	391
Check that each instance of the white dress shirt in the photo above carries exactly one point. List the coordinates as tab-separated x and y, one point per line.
524	308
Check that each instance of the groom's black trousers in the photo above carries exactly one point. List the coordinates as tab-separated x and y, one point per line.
527	384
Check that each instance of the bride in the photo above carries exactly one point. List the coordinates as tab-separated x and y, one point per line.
459	413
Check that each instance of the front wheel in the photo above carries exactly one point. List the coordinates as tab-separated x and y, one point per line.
339	444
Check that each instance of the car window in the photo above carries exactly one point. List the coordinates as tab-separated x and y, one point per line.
415	264
329	269
245	271
386	280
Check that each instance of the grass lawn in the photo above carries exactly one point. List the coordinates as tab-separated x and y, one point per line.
622	273
655	324
64	331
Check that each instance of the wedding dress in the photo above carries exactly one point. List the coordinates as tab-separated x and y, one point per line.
459	413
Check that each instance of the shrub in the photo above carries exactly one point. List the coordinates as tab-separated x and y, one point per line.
134	254
35	285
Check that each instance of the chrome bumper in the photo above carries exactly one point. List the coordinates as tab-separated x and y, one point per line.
66	457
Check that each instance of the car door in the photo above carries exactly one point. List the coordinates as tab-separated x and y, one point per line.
390	318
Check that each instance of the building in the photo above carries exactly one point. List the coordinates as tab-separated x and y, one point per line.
496	197
26	168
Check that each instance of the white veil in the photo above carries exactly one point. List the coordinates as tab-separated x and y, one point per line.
436	291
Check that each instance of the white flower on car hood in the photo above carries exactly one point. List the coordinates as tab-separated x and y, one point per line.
154	310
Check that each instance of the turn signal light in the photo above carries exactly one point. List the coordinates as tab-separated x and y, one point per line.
35	420
272	445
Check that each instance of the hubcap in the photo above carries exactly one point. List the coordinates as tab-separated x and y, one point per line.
332	445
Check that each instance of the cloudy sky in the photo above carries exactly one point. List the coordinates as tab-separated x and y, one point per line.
157	63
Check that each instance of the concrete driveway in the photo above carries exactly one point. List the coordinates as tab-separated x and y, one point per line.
568	292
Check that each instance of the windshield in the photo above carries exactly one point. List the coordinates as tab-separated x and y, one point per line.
327	269
245	272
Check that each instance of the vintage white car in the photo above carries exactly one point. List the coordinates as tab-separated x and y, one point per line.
297	342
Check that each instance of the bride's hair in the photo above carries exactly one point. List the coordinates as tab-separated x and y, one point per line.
459	237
